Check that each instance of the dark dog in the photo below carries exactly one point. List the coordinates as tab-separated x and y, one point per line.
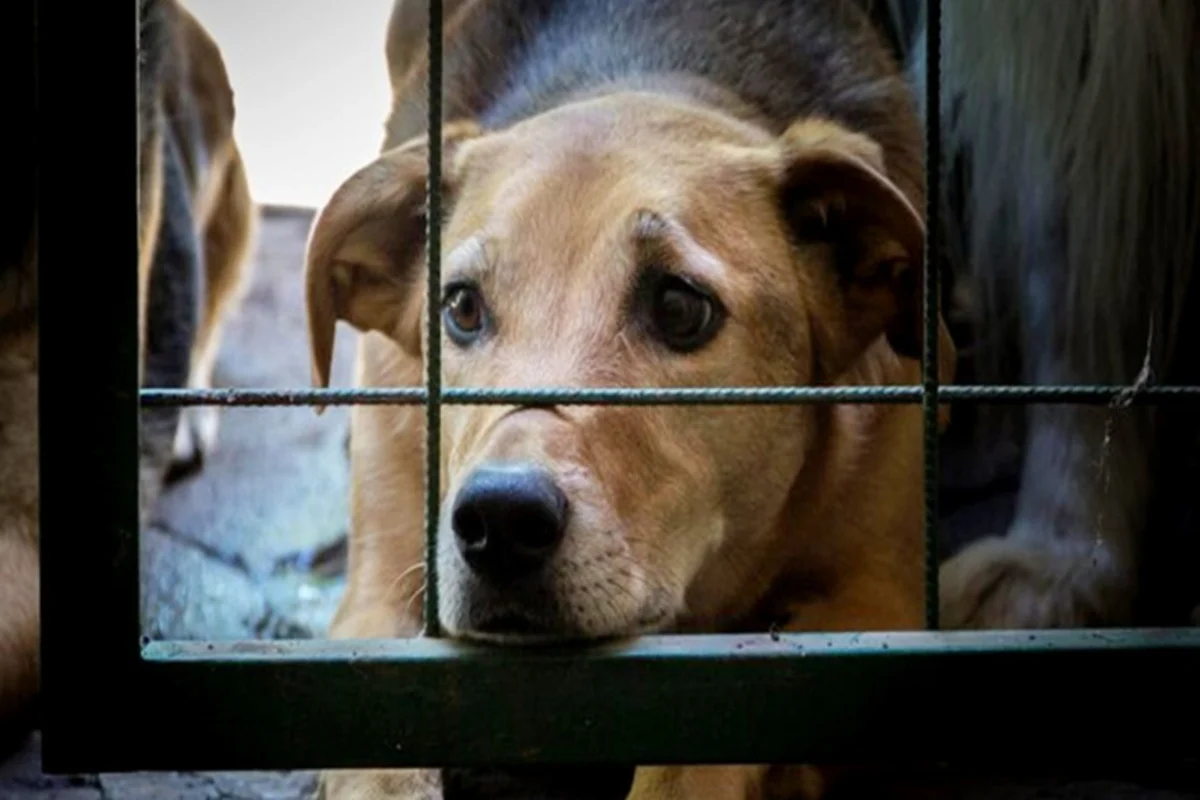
1073	192
197	224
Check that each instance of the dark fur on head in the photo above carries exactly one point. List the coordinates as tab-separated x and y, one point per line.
557	50
1072	178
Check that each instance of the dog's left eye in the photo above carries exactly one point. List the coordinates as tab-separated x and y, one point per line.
684	317
463	314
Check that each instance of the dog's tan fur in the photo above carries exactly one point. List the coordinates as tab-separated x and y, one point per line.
685	519
187	95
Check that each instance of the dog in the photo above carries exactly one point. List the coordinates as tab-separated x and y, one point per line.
628	203
197	212
197	227
1073	235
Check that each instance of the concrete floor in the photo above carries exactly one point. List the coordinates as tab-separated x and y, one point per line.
250	548
229	552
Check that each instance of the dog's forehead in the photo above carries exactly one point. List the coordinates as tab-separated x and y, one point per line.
615	145
576	181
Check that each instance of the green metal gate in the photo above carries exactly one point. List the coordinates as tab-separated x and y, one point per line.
433	702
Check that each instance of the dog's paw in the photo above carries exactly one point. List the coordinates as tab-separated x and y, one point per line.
381	785
195	439
1007	583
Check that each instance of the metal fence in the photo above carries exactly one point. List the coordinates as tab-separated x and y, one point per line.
433	702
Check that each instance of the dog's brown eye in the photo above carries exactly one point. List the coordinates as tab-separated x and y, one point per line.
464	314
684	317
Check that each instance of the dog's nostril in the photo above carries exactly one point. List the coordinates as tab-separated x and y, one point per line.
509	519
470	526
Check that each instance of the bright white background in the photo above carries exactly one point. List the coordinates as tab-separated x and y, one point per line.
311	88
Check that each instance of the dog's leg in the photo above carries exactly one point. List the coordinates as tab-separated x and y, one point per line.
150	204
227	268
171	315
157	20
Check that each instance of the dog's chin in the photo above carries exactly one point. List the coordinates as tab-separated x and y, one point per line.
515	629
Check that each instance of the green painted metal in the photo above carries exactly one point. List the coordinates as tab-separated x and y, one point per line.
1005	697
433	341
931	312
701	395
263	705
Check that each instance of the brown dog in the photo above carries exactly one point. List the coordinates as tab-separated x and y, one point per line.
197	228
628	204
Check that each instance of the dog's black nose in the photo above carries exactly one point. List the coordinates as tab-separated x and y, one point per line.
509	519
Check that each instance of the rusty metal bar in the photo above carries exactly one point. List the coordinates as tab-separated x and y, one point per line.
433	347
781	395
932	268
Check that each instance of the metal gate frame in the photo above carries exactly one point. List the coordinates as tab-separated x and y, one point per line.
268	705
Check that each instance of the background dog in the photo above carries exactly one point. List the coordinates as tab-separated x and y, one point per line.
197	226
1072	238
199	223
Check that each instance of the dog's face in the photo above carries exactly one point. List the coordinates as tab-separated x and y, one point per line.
621	242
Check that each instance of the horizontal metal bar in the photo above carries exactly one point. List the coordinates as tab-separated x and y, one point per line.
756	698
789	395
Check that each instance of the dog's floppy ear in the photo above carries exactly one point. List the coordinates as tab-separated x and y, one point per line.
836	194
366	250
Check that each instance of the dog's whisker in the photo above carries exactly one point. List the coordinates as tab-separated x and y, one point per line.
418	594
395	584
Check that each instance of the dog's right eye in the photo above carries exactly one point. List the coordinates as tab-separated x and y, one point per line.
683	316
463	314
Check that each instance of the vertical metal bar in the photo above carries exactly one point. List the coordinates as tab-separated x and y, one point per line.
89	587
433	355
933	196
